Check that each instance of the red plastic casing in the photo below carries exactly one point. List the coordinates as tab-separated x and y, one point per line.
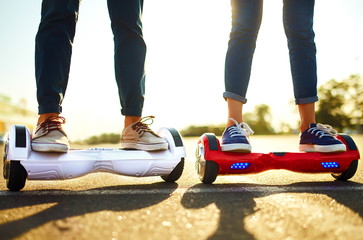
303	162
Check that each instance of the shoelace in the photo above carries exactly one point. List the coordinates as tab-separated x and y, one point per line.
323	130
52	123
240	129
143	125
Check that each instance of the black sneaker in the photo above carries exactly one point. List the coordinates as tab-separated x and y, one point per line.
320	138
235	138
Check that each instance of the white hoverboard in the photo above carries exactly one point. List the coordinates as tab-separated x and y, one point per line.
21	163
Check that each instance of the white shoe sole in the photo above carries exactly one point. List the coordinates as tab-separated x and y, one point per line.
236	147
145	147
50	147
324	149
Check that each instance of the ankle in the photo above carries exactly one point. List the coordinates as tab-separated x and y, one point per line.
304	126
230	122
130	120
44	116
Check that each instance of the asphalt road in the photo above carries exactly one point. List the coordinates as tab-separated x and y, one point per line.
270	205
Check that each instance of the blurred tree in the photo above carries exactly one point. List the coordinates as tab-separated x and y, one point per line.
260	119
356	102
196	131
111	138
341	103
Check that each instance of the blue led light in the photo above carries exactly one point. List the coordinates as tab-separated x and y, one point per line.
330	164
240	166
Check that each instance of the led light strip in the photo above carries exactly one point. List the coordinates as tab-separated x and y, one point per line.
330	164
240	166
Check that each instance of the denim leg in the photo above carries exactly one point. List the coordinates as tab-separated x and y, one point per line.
53	50
130	51
298	24
246	21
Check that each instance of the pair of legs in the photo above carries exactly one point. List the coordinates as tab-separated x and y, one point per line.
54	49
52	63
298	25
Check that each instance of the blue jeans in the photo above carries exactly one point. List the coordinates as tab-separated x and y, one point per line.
53	52
298	24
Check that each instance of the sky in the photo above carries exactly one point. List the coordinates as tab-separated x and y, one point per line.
186	46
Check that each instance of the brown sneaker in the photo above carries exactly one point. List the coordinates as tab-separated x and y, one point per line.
140	136
50	137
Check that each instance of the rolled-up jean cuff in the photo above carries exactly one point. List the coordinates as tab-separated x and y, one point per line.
49	108
132	111
234	97
307	100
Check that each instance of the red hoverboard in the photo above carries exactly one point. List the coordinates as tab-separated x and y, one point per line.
211	161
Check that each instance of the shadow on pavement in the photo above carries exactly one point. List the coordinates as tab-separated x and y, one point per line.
236	201
79	203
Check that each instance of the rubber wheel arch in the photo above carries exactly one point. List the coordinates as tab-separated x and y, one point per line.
176	173
17	176
15	173
349	173
210	172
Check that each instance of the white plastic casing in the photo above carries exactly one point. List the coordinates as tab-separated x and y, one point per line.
76	163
